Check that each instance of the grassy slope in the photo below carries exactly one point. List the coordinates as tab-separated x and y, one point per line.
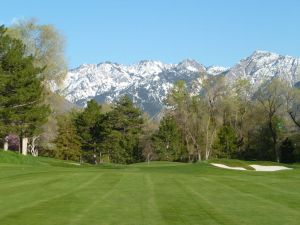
17	159
162	193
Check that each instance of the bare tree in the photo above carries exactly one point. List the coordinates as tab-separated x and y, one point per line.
46	45
271	97
214	89
145	139
292	97
32	146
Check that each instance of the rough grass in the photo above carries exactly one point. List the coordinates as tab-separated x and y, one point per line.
161	193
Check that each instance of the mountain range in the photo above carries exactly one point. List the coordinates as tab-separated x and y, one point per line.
148	81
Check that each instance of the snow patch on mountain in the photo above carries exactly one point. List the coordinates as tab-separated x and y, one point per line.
263	65
216	70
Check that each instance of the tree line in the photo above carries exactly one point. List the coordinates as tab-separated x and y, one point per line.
231	120
223	120
94	136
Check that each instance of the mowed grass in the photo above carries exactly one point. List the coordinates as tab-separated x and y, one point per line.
47	191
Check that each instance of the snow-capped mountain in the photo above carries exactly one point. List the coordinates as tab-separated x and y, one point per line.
148	82
263	65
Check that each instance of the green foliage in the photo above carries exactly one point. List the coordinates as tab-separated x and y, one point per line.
21	102
178	95
68	146
226	142
229	120
117	132
287	150
85	123
168	141
46	45
146	145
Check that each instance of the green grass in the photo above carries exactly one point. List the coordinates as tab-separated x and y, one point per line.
14	158
45	191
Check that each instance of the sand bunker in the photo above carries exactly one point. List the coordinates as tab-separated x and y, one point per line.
269	168
256	167
76	164
227	167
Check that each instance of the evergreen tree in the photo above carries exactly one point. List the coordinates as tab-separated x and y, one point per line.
68	146
287	151
85	123
118	132
226	141
168	140
129	121
21	102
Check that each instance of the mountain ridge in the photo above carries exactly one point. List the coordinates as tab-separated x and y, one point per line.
148	81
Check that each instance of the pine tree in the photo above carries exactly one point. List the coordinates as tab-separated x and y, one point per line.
168	140
129	121
118	132
21	102
85	125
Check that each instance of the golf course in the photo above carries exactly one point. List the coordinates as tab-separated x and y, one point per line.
48	191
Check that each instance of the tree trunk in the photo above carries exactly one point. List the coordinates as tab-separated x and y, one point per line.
32	147
100	157
235	120
20	144
293	117
209	144
188	147
212	140
196	146
24	145
5	147
207	139
199	156
274	139
148	158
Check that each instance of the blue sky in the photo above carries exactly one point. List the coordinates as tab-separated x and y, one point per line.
214	32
